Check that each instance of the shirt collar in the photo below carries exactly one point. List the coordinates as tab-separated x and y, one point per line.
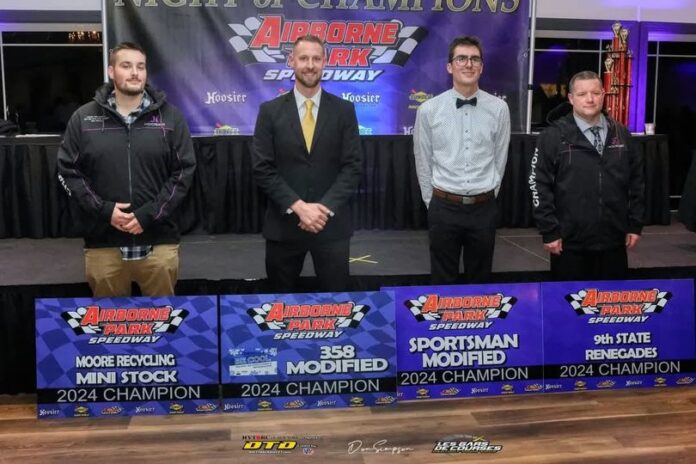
144	103
584	126
456	95
300	99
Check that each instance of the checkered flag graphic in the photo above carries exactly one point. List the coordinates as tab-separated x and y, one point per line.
416	308
356	315
408	40
243	33
506	304
73	319
575	300
176	317
259	316
398	54
658	306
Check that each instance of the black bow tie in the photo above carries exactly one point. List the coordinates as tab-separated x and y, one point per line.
471	101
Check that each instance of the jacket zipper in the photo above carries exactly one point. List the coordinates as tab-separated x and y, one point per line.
601	203
130	175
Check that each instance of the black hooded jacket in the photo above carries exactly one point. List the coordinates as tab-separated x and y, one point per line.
149	164
591	201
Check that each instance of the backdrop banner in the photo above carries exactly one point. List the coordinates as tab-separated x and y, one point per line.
219	59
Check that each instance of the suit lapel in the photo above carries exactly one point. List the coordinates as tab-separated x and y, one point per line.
322	116
295	125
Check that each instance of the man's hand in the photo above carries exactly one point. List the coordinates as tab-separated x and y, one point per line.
133	227
125	222
313	216
632	240
119	218
555	247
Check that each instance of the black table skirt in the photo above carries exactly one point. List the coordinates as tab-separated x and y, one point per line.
224	197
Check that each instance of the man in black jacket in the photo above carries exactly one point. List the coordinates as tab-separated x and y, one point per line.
307	160
127	160
587	186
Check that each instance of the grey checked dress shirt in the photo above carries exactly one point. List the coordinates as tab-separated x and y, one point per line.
461	150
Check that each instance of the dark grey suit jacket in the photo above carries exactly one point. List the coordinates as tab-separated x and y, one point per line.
286	172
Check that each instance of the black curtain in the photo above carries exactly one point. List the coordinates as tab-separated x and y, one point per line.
224	197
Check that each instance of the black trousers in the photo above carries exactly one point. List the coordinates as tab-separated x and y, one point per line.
284	261
590	265
457	230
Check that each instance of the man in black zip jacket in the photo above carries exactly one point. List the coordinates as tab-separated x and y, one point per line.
127	160
587	186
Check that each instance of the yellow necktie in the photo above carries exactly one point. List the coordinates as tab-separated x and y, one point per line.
308	124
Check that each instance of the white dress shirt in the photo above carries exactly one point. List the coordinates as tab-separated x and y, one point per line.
300	101
461	150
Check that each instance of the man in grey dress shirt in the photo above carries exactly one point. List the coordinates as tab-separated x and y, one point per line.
461	140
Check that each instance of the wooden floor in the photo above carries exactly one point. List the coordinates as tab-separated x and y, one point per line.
623	426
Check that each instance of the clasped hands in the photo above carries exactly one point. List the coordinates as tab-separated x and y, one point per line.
313	216
125	222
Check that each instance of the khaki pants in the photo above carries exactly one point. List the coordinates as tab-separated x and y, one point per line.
108	275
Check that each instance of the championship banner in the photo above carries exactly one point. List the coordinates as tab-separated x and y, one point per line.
313	350
468	340
218	60
608	335
126	356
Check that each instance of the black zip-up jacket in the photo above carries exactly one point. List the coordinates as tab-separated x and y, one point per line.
150	165
589	201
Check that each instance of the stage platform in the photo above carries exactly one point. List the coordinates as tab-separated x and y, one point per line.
234	264
373	253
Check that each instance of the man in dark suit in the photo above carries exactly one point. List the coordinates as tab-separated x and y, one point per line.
308	161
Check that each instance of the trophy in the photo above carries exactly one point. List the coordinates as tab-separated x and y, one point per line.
616	78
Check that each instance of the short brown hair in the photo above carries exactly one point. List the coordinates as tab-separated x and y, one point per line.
309	38
464	40
583	76
124	46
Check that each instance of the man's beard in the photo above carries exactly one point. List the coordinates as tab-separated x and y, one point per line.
130	91
306	83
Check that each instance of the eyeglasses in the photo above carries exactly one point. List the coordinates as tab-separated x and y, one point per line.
461	60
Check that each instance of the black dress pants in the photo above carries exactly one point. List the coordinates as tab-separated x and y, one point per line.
590	265
284	261
461	230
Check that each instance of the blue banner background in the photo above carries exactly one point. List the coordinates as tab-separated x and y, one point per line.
197	55
243	338
522	319
193	345
569	333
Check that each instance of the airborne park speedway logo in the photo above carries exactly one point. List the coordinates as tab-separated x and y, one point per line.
618	306
460	312
353	47
299	321
124	325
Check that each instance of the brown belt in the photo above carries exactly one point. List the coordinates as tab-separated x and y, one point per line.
464	199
